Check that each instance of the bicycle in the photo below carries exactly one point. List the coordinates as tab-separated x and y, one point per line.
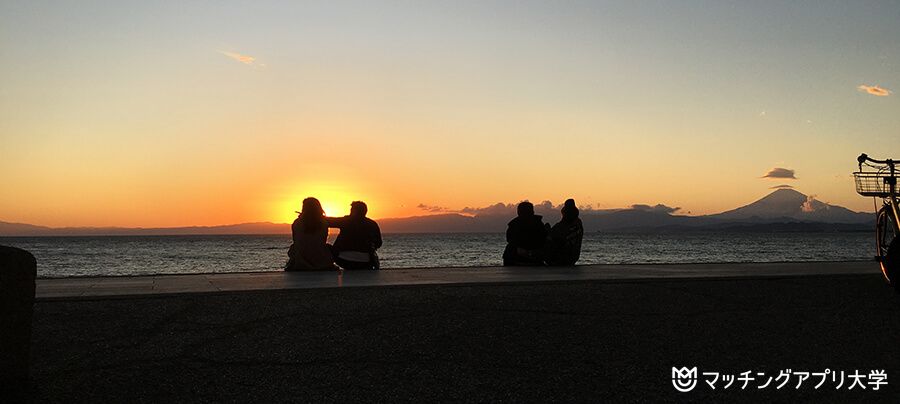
879	180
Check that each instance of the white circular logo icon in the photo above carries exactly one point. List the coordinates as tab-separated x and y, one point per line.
684	379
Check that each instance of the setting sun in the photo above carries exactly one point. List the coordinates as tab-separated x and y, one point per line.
333	203
334	197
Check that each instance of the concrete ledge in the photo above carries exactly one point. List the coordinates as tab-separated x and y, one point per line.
66	288
18	269
567	341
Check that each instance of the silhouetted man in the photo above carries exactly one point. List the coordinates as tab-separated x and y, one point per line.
355	245
525	238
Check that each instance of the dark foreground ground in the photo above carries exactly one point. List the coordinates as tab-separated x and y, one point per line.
584	341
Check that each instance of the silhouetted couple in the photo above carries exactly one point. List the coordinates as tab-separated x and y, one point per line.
354	247
530	241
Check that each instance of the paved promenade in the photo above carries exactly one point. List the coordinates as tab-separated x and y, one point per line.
207	283
586	334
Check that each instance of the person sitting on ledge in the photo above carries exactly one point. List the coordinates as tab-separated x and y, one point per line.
564	245
525	238
355	245
310	252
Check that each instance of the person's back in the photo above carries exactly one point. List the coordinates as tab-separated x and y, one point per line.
309	233
565	237
355	245
527	232
525	237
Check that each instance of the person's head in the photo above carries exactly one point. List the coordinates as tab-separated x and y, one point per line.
569	210
358	209
525	209
312	215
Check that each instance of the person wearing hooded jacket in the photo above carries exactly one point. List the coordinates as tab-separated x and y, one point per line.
564	245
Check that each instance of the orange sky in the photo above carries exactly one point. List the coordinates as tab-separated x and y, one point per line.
136	114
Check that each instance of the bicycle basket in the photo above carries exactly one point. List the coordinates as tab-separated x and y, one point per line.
873	183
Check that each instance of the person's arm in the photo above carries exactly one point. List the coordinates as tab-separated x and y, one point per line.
376	236
338	222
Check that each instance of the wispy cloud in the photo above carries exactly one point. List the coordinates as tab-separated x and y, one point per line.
247	60
499	208
432	208
783	186
779	172
874	90
545	208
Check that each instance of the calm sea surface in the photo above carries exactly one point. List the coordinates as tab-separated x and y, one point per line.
144	255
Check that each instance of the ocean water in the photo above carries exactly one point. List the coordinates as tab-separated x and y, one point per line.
145	255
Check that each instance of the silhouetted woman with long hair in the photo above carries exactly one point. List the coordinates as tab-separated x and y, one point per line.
310	251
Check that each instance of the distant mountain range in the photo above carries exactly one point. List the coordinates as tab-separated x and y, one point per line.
21	229
784	210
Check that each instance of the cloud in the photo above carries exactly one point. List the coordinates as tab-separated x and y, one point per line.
778	172
431	208
812	205
509	209
545	208
660	208
247	60
498	208
874	90
783	186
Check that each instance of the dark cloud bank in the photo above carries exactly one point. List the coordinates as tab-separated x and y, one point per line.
783	173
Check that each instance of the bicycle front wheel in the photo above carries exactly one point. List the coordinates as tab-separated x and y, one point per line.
888	246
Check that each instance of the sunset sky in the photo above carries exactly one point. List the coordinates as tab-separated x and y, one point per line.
141	113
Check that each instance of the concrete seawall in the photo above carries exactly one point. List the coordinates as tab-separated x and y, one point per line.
588	334
231	282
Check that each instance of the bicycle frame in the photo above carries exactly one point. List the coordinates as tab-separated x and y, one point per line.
891	181
892	199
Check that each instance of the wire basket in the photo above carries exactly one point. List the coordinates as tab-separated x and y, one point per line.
873	183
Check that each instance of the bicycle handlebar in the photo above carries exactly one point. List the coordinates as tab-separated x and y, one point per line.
864	158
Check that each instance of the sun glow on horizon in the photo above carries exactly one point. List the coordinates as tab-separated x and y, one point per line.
335	199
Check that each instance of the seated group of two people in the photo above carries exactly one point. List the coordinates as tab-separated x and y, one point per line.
354	247
530	241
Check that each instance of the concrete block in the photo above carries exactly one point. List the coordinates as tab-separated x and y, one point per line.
18	270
